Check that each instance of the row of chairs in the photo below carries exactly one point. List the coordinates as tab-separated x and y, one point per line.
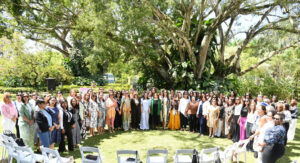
26	155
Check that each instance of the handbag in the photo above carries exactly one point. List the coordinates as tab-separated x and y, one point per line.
218	160
9	134
195	158
19	141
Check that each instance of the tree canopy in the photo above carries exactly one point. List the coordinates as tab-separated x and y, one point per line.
176	43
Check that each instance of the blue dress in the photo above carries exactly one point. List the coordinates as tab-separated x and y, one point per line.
145	114
56	133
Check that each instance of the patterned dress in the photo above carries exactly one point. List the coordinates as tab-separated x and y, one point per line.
93	109
101	119
76	131
83	105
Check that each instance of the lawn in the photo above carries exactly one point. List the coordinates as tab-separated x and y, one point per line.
171	140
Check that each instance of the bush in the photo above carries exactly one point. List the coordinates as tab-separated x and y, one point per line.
65	89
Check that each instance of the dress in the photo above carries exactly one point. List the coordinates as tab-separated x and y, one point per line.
155	113
145	114
55	133
102	110
126	109
111	105
83	106
165	109
76	131
213	116
135	113
26	130
118	118
93	110
174	120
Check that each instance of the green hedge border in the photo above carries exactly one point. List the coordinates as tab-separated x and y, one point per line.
64	89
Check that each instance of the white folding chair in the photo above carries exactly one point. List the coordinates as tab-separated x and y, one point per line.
128	159
10	145
241	147
226	155
183	156
84	159
153	158
2	145
52	156
26	155
209	155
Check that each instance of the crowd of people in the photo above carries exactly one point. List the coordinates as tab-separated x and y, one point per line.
48	120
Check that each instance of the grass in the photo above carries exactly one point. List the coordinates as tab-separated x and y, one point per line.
171	140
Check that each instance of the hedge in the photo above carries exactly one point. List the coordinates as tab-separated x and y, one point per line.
64	89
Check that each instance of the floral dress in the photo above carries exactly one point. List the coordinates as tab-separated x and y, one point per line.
93	109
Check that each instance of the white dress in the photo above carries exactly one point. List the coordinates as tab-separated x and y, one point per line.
145	114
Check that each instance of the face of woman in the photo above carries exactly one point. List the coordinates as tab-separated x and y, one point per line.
247	102
52	101
252	106
87	96
42	105
26	98
214	102
193	99
73	93
260	111
237	101
74	102
270	116
220	102
64	105
277	120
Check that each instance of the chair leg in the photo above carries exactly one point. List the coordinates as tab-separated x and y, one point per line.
245	157
237	158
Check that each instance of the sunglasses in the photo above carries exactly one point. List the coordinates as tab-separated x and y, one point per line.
277	119
8	96
25	96
18	95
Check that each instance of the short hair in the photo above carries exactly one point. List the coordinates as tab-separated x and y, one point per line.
40	101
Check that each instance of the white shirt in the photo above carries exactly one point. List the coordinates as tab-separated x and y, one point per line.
205	107
251	117
183	104
237	109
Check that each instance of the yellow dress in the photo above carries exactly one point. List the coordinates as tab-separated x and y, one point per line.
174	121
213	116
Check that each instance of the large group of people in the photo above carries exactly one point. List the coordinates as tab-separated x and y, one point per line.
47	120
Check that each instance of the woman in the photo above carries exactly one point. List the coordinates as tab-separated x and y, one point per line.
68	123
229	118
182	107
9	113
212	118
74	108
219	129
101	114
200	115
84	112
243	119
93	113
44	122
236	128
26	121
126	109
260	128
135	111
284	109
145	111
174	121
72	95
155	112
251	116
293	122
191	111
165	108
118	118
56	120
274	141
111	106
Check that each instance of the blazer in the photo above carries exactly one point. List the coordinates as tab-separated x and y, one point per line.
41	121
25	112
66	123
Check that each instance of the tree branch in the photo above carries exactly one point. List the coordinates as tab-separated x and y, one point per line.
268	58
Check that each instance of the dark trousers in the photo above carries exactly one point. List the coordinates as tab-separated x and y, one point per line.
202	122
236	129
183	121
286	127
271	153
192	122
17	129
248	134
62	144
